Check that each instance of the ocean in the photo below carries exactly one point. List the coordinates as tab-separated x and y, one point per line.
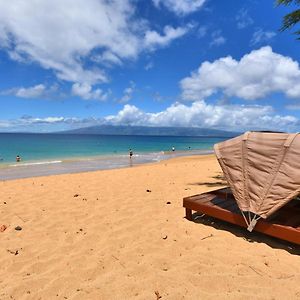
45	154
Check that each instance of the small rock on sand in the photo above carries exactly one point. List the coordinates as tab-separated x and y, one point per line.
3	228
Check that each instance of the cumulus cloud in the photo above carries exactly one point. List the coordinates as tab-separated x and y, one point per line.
153	39
64	36
198	114
243	19
86	92
261	36
201	114
38	91
254	76
57	34
180	7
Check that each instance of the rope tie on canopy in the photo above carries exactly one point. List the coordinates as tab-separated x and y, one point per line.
253	222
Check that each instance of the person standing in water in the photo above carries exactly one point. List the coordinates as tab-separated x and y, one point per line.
18	158
130	153
173	149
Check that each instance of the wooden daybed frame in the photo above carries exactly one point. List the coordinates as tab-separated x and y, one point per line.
220	204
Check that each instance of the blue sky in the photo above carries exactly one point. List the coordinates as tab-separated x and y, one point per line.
204	63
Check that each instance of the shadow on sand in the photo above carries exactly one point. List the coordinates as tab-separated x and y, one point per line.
221	182
238	231
250	237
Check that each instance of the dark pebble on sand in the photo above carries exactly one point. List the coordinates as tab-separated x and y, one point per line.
168	202
18	228
76	195
148	191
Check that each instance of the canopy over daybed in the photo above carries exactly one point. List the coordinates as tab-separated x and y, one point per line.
262	170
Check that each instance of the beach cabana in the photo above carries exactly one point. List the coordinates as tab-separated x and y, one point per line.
263	173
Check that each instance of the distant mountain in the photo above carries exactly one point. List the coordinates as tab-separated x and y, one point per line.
155	131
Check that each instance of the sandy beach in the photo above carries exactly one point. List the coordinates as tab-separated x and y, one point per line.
121	234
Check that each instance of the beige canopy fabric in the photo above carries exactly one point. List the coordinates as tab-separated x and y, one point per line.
262	169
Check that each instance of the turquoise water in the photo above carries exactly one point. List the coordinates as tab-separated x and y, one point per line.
37	147
48	154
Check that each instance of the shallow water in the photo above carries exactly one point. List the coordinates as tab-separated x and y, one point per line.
44	168
46	154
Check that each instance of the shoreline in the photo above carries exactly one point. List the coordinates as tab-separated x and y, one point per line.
88	164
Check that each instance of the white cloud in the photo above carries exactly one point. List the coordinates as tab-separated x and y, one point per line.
64	36
217	39
46	124
49	120
261	36
5	124
29	123
256	75
86	92
153	39
198	114
127	93
107	58
201	114
243	19
180	7
41	91
33	92
58	34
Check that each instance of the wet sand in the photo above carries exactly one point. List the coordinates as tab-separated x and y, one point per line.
26	169
121	234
